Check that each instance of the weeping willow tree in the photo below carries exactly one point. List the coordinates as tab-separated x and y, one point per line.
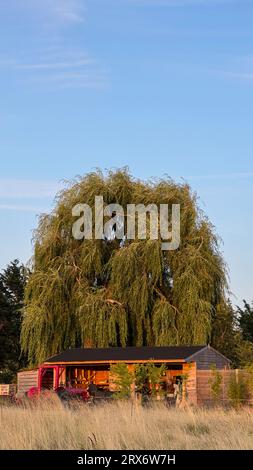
113	292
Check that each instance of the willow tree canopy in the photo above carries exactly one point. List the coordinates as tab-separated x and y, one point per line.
108	292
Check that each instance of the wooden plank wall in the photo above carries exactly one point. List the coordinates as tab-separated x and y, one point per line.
203	385
26	380
190	372
209	356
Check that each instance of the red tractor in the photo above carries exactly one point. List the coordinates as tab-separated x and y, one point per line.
66	394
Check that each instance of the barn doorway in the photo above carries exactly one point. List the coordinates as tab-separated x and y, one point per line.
47	379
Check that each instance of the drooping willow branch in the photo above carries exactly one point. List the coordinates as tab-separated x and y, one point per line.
107	293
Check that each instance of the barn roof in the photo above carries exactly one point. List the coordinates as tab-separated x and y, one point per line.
128	354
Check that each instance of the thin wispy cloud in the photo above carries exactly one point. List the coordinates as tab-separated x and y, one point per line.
52	65
11	188
71	11
49	60
222	176
62	81
13	193
23	208
183	3
58	68
240	68
248	76
65	12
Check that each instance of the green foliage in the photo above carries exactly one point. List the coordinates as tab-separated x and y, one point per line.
246	321
155	374
147	377
244	351
123	379
249	372
225	334
5	328
215	383
141	379
121	292
164	323
231	333
241	342
238	391
12	283
8	375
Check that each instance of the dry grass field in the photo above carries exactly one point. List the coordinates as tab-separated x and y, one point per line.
49	425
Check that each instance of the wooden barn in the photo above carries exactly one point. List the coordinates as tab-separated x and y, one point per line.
80	367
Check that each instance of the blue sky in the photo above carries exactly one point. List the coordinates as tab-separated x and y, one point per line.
163	86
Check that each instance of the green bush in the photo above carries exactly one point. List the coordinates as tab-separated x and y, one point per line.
123	380
238	390
215	383
141	379
147	377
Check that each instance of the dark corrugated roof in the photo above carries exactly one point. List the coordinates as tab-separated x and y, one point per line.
125	354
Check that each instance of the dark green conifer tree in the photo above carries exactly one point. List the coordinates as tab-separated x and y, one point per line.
12	285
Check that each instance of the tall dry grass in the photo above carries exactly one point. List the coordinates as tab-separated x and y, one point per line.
50	425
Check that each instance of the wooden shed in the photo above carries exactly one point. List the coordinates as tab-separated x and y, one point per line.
27	379
80	367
